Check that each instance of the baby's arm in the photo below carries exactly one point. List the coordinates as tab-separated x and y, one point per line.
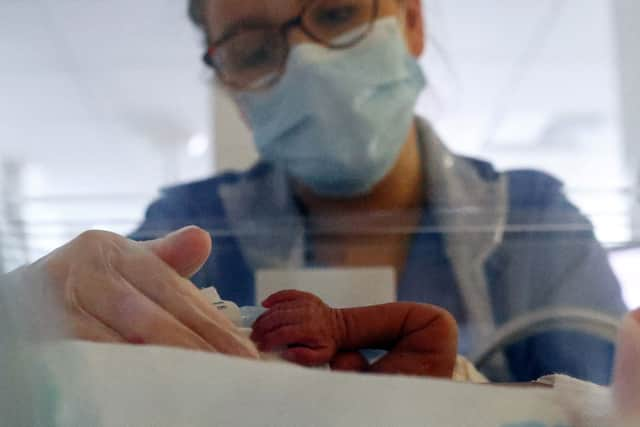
421	339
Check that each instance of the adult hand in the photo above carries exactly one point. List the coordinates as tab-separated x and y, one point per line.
105	288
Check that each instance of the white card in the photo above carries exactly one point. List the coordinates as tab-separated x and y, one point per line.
337	287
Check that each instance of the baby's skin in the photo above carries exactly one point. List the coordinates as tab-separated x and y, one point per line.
421	339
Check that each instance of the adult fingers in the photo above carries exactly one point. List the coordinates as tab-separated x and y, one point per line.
185	250
87	328
136	318
179	297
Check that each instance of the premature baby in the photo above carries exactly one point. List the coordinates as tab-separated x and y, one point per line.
420	339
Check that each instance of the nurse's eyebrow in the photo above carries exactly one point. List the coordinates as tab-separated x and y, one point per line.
246	22
251	22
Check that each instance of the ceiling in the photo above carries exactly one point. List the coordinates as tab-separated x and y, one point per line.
99	88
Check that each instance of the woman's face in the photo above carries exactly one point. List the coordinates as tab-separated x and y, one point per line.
222	17
341	106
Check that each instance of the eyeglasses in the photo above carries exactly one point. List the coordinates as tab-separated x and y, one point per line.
253	56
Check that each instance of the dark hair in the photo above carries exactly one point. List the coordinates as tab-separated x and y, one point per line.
195	12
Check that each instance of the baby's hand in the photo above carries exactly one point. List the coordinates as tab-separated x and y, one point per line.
309	331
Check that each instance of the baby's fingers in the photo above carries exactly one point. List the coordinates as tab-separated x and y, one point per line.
352	361
308	356
275	319
286	296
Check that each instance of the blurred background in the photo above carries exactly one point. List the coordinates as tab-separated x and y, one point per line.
102	103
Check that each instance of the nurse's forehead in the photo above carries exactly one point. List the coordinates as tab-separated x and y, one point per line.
221	14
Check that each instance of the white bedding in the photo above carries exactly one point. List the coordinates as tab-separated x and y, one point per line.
147	386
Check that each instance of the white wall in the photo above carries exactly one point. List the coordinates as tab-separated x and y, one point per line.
101	103
628	36
233	141
534	84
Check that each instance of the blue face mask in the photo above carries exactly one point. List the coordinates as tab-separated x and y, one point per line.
338	119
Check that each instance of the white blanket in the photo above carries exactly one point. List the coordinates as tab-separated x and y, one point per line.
144	386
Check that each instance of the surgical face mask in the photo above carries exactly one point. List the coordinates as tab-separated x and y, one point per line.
338	119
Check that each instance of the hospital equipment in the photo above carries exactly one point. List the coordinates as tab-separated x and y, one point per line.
585	321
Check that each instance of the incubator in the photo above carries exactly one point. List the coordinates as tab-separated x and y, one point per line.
471	201
74	383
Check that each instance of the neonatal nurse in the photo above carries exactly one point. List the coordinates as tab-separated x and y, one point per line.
348	177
